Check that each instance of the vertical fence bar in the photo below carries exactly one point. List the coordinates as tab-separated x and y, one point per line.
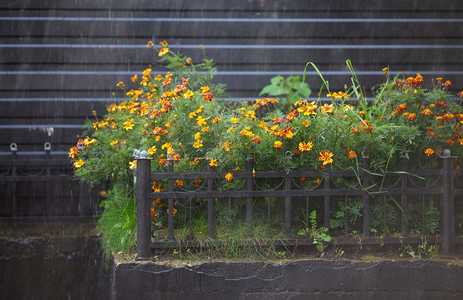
249	199
210	204
143	208
14	192
327	202
48	205
448	169
170	201
403	198
288	207
366	200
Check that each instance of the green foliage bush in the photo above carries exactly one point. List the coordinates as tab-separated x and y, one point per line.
181	116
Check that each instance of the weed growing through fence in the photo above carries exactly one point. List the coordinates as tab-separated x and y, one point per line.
177	116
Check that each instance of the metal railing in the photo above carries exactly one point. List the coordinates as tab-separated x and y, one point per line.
403	188
42	185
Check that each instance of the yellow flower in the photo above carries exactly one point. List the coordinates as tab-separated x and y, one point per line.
205	129
197	144
188	94
179	182
213	163
132	165
163	44
120	84
278	144
306	123
429	152
326	157
234	120
134	78
79	163
88	141
201	121
229	176
128	125
114	143
192	115
163	52
152	150
305	146
204	89
149	44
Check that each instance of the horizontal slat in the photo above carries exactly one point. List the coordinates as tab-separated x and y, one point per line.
120	57
221	5
245	27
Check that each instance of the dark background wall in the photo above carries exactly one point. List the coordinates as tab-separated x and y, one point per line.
60	60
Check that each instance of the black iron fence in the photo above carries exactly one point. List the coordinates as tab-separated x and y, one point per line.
42	185
407	189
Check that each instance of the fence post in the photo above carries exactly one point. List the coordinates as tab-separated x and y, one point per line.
210	203
403	197
249	199
366	200
288	207
448	170
143	189
326	202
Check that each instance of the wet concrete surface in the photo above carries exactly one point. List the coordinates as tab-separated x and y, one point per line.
52	261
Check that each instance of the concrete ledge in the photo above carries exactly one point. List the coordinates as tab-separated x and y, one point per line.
317	279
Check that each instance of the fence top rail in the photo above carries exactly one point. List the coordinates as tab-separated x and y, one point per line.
292	174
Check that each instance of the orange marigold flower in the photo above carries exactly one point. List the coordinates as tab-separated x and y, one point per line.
153	213
326	157
229	176
149	44
278	144
163	44
429	152
213	163
120	84
447	117
385	69
426	112
305	146
352	154
460	94
226	146
179	182
174	211
412	117
401	107
134	78
197	182
256	139
73	152
234	120
163	52
447	84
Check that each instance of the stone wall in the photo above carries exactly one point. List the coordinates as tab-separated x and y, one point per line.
304	279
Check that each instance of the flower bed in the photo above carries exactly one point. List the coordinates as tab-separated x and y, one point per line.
182	117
